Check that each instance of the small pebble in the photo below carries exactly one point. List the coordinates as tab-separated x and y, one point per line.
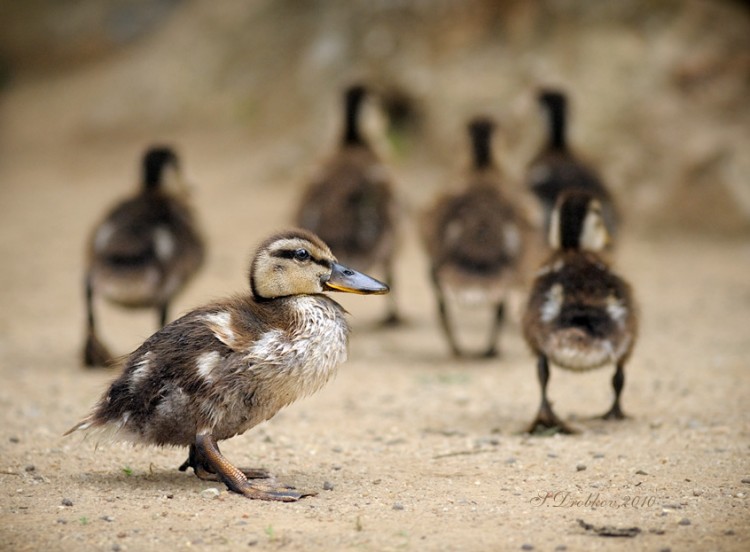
327	486
398	506
551	455
107	518
580	467
170	495
560	548
337	449
14	439
67	502
598	455
684	521
740	495
665	550
253	541
527	546
641	472
746	480
729	532
336	467
697	492
62	521
116	547
30	468
510	460
211	493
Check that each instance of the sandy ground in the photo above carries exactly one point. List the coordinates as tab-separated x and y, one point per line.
415	451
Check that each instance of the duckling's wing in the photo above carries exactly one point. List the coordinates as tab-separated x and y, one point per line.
143	230
157	398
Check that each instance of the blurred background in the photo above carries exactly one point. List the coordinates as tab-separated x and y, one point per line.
659	88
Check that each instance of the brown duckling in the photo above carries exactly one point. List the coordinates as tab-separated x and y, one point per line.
144	251
350	203
557	169
224	368
475	240
580	315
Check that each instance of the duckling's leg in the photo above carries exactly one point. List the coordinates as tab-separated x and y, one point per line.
546	418
618	382
443	311
94	351
163	312
497	324
392	318
203	471
207	455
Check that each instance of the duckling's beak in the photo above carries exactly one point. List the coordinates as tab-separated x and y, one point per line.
351	281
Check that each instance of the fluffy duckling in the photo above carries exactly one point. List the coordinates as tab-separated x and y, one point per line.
475	240
556	168
223	368
580	315
350	203
144	251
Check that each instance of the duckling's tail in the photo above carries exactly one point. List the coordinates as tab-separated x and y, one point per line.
83	425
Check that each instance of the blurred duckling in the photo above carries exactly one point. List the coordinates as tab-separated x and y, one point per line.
556	168
580	315
144	251
475	240
224	368
350	203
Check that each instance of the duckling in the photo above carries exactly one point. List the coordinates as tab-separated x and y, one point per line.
144	251
350	204
475	240
580	315
557	169
225	367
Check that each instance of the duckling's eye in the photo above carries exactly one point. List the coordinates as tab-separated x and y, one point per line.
302	255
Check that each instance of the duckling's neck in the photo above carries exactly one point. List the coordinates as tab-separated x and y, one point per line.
557	126
481	146
352	135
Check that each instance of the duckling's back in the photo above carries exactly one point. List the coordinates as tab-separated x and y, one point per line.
580	314
145	250
350	205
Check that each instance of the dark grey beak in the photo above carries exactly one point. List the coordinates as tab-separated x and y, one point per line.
351	281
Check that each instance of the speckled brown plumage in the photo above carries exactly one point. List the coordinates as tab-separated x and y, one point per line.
225	367
475	239
580	315
556	168
144	251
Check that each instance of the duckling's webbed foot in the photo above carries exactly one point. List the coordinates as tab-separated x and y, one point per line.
204	471
95	354
209	459
547	422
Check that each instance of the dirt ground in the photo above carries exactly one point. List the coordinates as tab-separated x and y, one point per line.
408	449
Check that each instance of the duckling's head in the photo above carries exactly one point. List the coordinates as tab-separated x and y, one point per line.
297	262
160	165
577	223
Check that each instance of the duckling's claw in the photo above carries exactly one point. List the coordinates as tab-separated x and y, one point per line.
276	493
206	459
614	413
547	423
95	354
